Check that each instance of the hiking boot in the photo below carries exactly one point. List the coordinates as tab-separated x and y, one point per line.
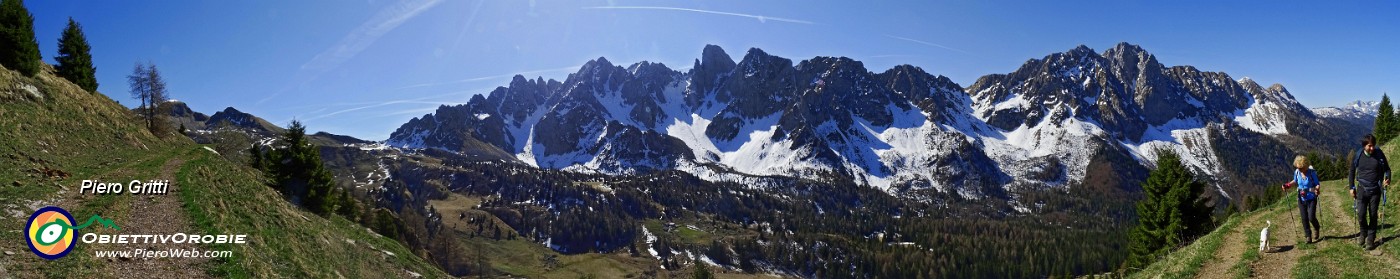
1371	240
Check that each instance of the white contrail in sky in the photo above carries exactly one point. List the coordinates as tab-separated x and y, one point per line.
380	104
488	77
369	32
449	98
926	43
413	111
467	26
358	40
760	18
891	56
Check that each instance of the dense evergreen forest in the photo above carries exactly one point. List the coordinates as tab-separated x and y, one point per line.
809	228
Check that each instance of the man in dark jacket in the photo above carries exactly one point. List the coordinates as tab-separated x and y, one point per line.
1371	171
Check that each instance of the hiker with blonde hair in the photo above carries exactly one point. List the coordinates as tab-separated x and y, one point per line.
1305	178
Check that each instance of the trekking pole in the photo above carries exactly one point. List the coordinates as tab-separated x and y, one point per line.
1295	219
1299	205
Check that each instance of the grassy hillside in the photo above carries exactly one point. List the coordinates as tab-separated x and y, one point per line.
58	130
53	135
1231	251
288	240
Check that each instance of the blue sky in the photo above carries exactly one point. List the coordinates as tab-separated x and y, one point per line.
362	68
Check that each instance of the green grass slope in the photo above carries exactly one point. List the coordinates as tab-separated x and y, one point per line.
60	130
53	135
1231	250
287	241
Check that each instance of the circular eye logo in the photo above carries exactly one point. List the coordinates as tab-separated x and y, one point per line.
50	232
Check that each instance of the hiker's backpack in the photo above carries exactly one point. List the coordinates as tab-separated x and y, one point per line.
1311	175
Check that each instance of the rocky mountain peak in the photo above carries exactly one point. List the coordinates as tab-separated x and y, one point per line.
520	81
760	85
1277	93
596	64
596	76
1250	85
1126	49
1274	93
1081	50
761	65
829	67
938	96
707	74
233	116
180	109
714	59
238	118
1038	125
1126	91
645	68
1372	106
1363	112
1130	62
231	111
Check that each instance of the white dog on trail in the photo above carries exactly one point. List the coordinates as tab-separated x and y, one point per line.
1264	236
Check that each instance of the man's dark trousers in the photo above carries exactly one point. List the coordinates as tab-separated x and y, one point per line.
1368	196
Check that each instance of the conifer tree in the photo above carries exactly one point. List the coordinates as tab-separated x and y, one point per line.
75	58
298	172
1385	127
702	272
21	50
1170	213
348	207
255	150
718	252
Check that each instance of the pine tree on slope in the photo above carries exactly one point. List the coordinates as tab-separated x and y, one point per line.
1386	127
75	58
17	34
1171	212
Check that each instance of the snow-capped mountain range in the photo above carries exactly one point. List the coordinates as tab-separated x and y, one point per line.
1361	111
1042	125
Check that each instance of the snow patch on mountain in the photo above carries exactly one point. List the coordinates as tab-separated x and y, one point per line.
617	108
413	140
1353	110
1028	151
898	147
757	154
1012	102
1192	145
1037	127
1189	138
1264	117
523	133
